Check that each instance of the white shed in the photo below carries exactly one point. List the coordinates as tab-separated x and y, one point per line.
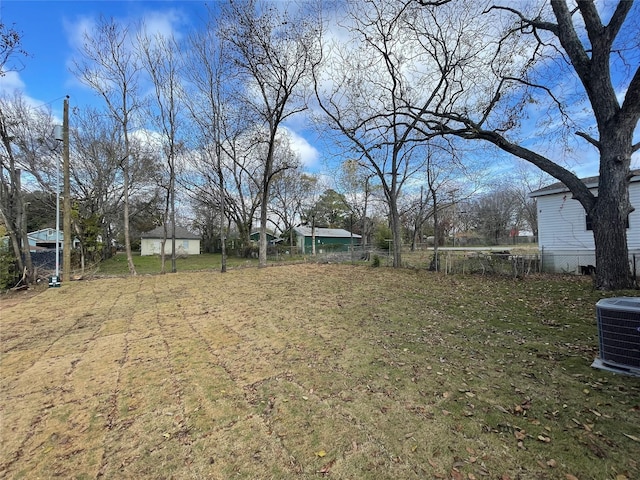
187	243
564	234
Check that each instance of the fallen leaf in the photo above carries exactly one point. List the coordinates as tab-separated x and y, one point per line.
544	439
632	437
568	476
432	463
552	463
321	453
456	475
620	476
166	435
324	470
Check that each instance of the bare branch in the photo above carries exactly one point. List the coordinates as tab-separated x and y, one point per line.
589	139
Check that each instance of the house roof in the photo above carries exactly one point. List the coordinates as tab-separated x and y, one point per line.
271	233
181	233
591	182
45	235
305	231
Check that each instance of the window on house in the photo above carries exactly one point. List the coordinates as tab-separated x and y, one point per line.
590	226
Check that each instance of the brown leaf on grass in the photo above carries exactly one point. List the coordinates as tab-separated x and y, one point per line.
456	475
568	476
325	470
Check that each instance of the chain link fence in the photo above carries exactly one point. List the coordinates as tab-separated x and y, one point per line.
504	260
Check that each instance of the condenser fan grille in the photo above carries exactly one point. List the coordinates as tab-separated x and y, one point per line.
620	337
619	334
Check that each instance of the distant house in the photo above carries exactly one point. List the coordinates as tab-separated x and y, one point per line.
564	230
326	238
187	243
255	237
45	239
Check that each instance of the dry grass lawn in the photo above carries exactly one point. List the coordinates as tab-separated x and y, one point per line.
312	371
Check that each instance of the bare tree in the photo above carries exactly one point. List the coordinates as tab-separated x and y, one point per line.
273	52
162	60
486	90
12	205
110	65
525	180
96	179
495	214
354	181
26	147
218	127
289	191
363	89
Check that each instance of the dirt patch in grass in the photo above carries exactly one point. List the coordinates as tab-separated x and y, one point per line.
309	371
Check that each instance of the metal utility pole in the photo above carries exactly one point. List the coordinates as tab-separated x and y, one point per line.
66	199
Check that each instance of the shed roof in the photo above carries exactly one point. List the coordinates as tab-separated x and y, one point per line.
591	182
305	231
181	233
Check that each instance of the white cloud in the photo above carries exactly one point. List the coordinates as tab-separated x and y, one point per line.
163	24
309	155
10	82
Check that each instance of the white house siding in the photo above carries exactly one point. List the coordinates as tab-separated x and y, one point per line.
152	246
564	240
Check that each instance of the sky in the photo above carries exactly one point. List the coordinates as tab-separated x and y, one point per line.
52	31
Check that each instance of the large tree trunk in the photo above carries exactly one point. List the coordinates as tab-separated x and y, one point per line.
609	218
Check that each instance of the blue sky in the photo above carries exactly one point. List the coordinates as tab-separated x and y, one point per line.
52	29
51	32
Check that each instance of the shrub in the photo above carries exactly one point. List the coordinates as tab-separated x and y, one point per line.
8	272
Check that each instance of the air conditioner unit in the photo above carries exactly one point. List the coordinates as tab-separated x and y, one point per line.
619	335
